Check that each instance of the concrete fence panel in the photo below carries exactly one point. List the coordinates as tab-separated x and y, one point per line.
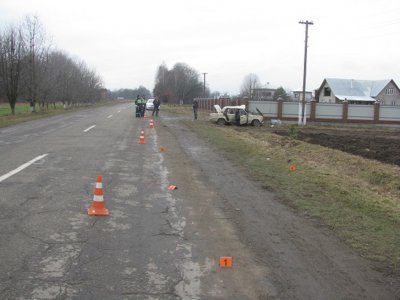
360	112
328	111
389	113
269	109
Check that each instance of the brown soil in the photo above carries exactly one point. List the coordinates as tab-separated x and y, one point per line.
378	144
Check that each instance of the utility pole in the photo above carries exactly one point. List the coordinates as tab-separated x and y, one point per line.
303	105
204	84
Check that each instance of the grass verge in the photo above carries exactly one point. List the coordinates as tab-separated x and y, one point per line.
359	199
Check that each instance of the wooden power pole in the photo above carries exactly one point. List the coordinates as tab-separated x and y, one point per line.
303	104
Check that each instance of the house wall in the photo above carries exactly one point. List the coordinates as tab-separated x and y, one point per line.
389	99
326	99
263	94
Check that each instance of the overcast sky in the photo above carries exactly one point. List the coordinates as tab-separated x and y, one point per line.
125	41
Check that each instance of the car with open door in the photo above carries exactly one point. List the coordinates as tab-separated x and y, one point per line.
234	115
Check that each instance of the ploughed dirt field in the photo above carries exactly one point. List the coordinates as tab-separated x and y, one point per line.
379	144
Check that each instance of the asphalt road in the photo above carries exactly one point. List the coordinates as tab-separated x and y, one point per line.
156	243
51	249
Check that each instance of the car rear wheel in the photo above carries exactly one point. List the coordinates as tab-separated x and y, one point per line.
256	123
221	122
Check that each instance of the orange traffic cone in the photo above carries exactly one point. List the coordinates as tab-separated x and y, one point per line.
151	124
141	137
98	208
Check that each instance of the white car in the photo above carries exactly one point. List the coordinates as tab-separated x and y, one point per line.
149	104
227	115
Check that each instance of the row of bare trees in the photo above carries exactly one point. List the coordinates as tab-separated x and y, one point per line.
31	70
181	84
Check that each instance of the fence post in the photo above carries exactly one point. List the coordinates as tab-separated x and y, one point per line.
377	106
345	112
280	108
313	110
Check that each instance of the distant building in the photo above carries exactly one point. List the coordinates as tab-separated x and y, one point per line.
263	94
334	90
298	96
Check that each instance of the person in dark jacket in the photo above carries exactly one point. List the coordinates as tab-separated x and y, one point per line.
237	117
195	108
156	106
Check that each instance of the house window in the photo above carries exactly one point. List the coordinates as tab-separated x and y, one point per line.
389	91
327	92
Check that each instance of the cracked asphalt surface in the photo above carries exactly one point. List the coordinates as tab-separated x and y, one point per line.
156	243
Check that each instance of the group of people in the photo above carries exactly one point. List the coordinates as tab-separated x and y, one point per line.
140	104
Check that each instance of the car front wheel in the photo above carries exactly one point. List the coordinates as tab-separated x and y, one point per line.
256	123
221	122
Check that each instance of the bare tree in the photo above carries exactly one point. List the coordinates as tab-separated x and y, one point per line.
180	83
250	82
35	41
29	69
161	88
11	54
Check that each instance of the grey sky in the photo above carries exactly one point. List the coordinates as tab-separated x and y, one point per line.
125	41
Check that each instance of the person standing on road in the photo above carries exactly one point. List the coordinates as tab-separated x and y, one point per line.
156	105
137	106
195	108
142	103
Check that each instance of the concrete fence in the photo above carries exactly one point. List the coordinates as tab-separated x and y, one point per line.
315	112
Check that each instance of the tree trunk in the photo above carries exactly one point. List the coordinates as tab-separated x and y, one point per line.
12	105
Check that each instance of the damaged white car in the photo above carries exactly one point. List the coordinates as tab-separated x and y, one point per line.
235	115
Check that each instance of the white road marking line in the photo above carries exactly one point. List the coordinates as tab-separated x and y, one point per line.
87	129
119	111
110	116
20	168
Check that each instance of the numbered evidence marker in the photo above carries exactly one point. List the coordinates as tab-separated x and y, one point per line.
225	262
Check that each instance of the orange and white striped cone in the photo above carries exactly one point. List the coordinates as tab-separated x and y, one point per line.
141	137
98	208
151	124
